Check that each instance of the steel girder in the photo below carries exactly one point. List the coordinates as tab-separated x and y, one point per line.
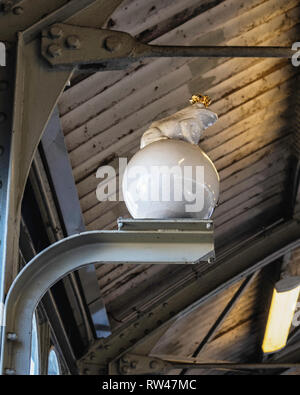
29	91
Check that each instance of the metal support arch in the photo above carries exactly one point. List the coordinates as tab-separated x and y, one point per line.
124	246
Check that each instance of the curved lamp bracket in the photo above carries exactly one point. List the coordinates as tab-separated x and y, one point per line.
138	241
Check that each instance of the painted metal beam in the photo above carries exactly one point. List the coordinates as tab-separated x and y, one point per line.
68	46
61	175
148	246
49	308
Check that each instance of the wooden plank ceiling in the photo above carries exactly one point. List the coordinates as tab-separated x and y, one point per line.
103	116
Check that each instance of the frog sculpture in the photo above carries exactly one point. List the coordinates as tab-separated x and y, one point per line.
171	177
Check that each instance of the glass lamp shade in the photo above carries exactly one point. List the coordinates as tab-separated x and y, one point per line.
170	179
283	306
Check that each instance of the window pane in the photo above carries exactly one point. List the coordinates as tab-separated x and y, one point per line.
53	365
34	361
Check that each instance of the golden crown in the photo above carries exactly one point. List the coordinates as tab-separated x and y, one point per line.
206	100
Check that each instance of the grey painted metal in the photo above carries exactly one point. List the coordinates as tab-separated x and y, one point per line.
59	15
101	49
49	308
149	246
60	170
165	224
230	267
6	100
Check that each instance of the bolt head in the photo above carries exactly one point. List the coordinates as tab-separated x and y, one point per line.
55	32
153	365
92	356
12	336
73	42
18	10
125	369
10	372
54	50
112	43
133	364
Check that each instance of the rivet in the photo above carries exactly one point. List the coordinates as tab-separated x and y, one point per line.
54	50
153	365
2	117
136	324
165	304
55	32
3	86
112	43
208	226
12	336
10	372
133	364
92	356
18	10
210	260
73	42
125	369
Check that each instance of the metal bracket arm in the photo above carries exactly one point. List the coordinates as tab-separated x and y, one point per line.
69	46
187	243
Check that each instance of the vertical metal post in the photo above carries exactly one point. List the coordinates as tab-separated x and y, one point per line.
6	105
